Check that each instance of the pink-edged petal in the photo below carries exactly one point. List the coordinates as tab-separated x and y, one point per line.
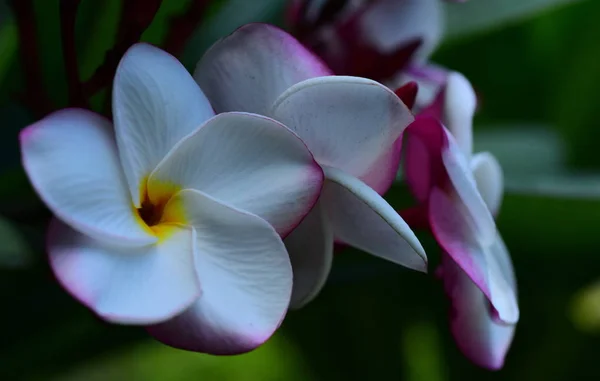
347	122
250	162
362	218
460	103
245	275
389	24
462	183
310	247
72	161
155	104
489	179
143	285
485	263
250	68
479	337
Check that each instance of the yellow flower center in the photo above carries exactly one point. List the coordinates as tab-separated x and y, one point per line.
159	215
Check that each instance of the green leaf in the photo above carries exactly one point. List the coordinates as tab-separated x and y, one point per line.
230	15
14	250
150	361
8	42
478	16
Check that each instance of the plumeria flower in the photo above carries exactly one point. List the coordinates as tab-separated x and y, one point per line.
174	219
377	39
350	125
460	192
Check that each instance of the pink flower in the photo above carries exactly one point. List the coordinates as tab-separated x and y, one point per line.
370	38
350	124
176	214
460	192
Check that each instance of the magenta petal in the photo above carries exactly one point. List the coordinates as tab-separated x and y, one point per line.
423	144
477	335
487	265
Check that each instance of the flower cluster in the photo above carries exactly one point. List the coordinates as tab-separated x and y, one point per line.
211	203
458	192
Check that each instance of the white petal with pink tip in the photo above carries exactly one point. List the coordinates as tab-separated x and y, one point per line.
483	340
245	275
481	261
72	161
258	166
249	69
155	104
143	285
348	123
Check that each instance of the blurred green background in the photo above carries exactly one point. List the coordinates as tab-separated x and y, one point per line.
536	67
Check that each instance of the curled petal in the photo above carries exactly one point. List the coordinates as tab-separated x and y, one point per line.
248	161
143	285
481	339
362	218
155	104
72	161
462	183
348	123
250	68
245	275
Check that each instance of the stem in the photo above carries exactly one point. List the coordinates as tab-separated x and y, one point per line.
35	95
137	15
182	26
68	15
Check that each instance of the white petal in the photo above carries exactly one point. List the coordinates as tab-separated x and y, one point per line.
460	103
126	285
250	162
487	264
310	247
482	340
489	179
249	69
155	104
347	122
389	24
246	280
463	184
363	219
71	159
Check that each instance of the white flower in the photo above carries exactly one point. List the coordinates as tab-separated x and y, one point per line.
350	124
166	218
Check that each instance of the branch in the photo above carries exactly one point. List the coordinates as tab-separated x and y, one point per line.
182	26
35	96
68	15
